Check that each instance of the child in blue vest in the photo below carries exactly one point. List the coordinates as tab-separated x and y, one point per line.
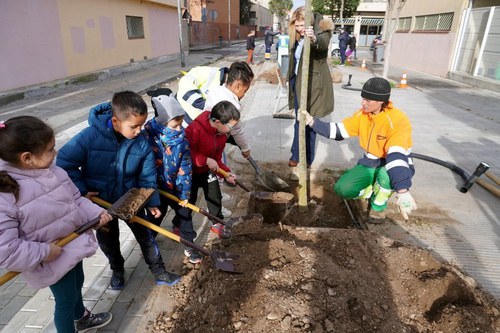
173	161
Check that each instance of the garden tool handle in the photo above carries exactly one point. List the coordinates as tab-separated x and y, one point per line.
62	242
226	175
156	228
254	164
192	207
169	234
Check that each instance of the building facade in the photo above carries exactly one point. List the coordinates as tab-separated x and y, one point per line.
459	39
54	39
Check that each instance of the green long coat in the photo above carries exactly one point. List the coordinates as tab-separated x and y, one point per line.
320	95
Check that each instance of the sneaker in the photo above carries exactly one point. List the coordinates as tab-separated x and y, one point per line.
92	321
220	230
193	255
117	280
226	212
166	278
225	197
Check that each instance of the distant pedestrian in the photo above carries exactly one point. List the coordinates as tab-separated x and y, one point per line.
250	46
352	45
343	43
269	41
385	136
39	205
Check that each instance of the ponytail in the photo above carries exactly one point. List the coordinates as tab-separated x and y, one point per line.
8	184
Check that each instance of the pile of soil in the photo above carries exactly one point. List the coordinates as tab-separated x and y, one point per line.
313	272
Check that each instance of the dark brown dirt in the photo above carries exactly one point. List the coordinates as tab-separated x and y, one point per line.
313	272
135	200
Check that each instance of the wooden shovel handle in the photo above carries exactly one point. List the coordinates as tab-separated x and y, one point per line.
62	242
192	207
156	228
226	175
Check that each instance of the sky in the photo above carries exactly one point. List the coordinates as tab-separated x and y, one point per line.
298	3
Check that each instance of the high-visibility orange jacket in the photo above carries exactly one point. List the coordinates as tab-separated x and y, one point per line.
385	138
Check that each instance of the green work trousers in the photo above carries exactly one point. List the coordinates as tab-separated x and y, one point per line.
362	182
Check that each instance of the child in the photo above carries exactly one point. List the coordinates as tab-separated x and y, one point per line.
207	137
38	206
385	135
107	159
173	161
250	46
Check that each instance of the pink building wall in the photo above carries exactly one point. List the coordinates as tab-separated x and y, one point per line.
425	52
164	30
47	40
32	48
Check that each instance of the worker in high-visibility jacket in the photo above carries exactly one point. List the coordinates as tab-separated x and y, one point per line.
229	84
385	135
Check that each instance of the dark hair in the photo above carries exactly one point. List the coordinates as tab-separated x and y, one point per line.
127	103
19	135
225	112
240	70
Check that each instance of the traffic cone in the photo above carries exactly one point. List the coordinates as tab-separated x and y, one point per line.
363	65
403	83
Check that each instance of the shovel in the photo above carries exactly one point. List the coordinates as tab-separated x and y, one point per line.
235	225
275	197
222	260
268	179
113	210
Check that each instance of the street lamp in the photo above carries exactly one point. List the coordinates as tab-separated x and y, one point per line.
179	16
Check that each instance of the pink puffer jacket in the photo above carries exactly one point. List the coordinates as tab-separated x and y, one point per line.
49	208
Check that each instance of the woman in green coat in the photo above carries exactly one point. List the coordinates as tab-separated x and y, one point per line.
320	89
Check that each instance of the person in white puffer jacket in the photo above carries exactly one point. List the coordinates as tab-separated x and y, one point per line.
39	205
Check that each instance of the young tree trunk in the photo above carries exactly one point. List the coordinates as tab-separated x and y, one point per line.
302	119
390	28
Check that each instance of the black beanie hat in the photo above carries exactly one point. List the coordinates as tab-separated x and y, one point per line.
376	89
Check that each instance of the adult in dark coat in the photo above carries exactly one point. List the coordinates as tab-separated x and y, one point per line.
320	95
343	43
269	41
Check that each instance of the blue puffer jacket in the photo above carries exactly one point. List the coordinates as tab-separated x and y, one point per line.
97	162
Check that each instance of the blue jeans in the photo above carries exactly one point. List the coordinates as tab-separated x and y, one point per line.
310	134
69	301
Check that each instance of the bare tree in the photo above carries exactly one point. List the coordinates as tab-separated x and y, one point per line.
391	25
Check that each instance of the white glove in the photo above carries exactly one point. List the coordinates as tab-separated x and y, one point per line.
405	204
309	118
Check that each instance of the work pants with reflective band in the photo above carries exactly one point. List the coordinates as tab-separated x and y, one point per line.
364	182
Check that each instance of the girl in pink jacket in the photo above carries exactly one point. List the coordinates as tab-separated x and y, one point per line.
39	204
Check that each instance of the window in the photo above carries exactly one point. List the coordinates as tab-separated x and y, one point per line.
437	22
135	27
404	24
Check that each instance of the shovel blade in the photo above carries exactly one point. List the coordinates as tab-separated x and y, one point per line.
224	261
248	224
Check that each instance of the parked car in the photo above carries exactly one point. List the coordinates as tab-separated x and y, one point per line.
335	47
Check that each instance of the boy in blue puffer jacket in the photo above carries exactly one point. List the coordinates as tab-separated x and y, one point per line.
107	159
173	161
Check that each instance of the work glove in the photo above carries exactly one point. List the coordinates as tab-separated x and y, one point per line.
406	204
309	118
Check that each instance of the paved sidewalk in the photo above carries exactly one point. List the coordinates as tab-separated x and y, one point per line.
451	121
